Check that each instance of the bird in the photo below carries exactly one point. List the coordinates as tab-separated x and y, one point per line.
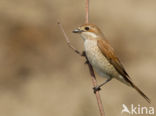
103	58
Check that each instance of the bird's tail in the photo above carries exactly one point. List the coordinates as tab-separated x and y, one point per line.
130	83
141	93
126	80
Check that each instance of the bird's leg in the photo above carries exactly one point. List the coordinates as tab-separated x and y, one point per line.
83	53
98	88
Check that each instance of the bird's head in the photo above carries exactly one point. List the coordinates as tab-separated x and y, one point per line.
88	31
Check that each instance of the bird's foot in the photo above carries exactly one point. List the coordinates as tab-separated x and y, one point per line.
83	53
95	89
86	62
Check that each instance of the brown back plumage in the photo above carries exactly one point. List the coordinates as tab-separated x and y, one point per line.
108	52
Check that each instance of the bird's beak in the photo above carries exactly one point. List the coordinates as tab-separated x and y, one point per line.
77	30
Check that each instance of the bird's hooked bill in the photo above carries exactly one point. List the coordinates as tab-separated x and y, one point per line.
77	30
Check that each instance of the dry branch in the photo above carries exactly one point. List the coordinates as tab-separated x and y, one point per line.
100	106
90	69
67	39
87	11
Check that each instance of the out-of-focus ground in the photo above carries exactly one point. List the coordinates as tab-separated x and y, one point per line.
41	76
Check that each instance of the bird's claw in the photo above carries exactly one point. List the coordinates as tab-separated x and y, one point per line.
95	89
83	53
86	62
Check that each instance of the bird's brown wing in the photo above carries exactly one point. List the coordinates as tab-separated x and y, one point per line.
108	52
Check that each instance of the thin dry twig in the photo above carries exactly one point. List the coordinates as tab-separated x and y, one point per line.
101	109
87	11
97	94
90	69
67	39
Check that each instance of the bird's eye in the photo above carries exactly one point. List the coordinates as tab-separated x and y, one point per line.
86	28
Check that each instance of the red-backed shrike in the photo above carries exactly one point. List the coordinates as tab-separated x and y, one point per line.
102	57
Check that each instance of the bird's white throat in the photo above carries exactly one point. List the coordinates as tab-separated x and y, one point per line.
88	35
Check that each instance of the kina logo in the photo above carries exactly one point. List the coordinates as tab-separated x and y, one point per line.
133	110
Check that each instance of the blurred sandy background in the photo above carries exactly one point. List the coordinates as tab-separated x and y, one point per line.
41	76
